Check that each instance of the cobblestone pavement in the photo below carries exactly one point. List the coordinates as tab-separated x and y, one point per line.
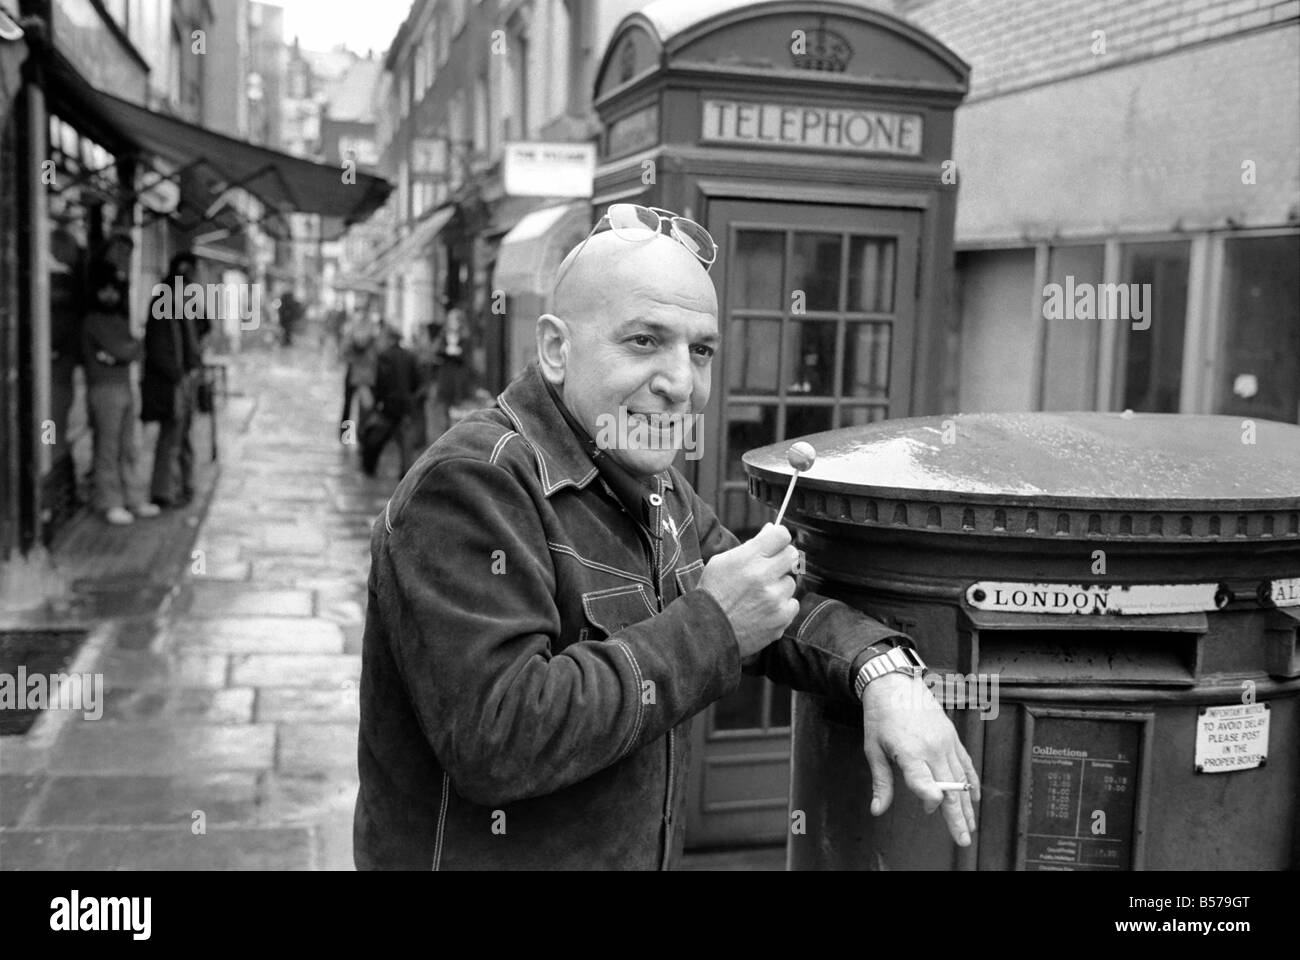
228	737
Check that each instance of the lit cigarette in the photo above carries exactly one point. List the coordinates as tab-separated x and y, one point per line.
952	784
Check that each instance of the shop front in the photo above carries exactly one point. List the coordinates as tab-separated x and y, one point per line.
813	141
89	175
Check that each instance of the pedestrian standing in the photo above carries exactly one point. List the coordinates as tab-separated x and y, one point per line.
396	382
68	304
109	347
454	377
290	314
173	365
360	357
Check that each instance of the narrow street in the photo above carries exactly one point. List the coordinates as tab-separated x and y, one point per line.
228	738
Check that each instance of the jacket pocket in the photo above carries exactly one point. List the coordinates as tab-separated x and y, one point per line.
617	608
688	577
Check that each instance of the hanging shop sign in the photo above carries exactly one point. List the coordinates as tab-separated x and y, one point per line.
549	169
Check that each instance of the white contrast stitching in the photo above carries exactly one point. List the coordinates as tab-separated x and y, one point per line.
496	451
809	619
613	592
640	706
442	821
561	548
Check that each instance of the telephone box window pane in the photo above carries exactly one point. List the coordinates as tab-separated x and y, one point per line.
742	514
801	421
860	416
750	354
866	360
756	269
743	709
871	274
1260	373
815	272
749	425
810	358
1153	368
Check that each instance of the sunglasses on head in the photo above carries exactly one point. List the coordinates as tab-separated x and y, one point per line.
637	224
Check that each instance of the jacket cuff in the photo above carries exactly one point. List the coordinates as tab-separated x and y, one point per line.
847	635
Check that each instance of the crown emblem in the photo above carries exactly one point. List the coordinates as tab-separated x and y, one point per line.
822	49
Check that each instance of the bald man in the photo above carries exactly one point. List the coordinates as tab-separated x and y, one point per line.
550	603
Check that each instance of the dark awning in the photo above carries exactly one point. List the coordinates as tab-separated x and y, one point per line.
284	183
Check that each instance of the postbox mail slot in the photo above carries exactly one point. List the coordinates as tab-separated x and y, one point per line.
1089	657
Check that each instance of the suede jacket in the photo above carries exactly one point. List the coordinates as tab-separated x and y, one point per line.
532	658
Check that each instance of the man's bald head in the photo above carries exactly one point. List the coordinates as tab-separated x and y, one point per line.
608	272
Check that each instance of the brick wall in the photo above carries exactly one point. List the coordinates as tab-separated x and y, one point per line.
1014	44
1151	146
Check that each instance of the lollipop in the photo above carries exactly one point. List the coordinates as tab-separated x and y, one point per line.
800	456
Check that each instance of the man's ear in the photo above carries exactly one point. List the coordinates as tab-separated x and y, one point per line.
552	347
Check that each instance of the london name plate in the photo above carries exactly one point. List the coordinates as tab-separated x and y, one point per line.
1282	593
1071	598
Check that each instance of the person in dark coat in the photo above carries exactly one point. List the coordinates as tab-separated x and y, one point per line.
68	303
396	383
109	347
173	362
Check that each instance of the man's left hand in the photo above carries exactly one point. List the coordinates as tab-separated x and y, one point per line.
903	722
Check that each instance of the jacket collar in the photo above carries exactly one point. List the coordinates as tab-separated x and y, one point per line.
562	458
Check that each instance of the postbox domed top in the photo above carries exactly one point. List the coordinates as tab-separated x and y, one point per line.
1056	459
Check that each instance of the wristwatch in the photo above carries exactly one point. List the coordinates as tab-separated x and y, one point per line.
900	659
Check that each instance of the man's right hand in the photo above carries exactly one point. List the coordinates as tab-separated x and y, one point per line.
754	585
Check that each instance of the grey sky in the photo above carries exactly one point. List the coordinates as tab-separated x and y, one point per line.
321	24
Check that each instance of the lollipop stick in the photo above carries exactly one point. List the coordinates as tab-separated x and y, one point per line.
786	502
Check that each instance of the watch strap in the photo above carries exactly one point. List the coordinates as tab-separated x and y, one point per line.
899	659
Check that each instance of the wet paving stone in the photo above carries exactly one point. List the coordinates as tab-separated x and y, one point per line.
304	705
273	670
17	793
250	635
237	600
227	705
308	747
136	634
231	570
137	668
125	748
72	800
159	848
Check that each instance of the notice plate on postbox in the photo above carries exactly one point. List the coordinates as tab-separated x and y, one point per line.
1232	738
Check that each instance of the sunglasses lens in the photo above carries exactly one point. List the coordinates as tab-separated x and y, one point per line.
695	238
633	222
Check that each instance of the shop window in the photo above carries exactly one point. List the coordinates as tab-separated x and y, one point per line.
1069	375
1151	359
1258	373
996	293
